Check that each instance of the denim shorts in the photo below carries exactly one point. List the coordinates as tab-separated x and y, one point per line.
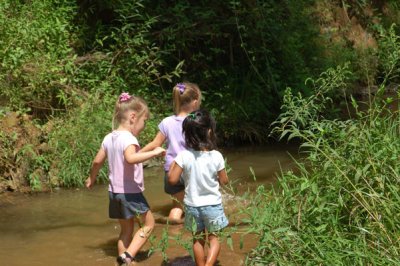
211	217
173	189
126	205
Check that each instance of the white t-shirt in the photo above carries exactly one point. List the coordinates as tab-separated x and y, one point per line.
124	177
200	174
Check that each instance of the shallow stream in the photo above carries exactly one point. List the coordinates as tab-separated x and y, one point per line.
71	227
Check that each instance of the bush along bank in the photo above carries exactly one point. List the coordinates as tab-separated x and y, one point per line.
342	207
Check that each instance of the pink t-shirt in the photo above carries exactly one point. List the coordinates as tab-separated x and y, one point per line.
171	128
124	177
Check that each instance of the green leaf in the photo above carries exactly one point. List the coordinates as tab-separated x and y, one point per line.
229	242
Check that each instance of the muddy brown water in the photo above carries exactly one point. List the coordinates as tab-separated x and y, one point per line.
71	227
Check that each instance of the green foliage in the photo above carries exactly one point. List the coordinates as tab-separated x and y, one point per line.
7	161
57	56
298	112
74	94
341	206
389	44
38	166
128	59
241	53
35	52
23	162
77	138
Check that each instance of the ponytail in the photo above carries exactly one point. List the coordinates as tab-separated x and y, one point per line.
184	93
176	98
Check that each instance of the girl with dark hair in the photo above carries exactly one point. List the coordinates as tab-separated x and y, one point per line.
203	170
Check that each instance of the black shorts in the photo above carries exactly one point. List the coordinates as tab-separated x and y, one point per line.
126	205
173	189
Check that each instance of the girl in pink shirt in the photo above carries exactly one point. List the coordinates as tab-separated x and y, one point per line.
121	149
186	98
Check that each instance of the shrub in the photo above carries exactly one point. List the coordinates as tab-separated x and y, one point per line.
342	207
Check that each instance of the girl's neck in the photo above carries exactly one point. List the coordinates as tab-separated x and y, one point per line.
123	127
185	112
188	108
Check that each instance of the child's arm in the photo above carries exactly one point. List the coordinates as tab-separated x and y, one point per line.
157	142
174	173
131	156
223	177
96	166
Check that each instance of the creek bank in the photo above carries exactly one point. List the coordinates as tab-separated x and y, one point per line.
23	146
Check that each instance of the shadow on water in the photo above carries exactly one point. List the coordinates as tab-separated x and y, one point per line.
109	247
183	261
180	261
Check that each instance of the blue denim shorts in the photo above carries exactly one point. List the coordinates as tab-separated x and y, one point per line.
173	189
126	205
211	217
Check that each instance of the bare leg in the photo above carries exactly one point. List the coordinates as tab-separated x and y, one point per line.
198	248
141	235
213	251
176	213
125	236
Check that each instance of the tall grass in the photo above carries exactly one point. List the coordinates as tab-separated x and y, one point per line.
75	139
342	207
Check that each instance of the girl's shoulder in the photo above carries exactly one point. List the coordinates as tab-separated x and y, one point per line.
172	118
108	136
117	135
186	152
216	154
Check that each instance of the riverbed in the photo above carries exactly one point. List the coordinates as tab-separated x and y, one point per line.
71	227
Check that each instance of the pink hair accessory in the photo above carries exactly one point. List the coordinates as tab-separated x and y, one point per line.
124	97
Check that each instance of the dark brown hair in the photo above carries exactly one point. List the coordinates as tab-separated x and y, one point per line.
199	130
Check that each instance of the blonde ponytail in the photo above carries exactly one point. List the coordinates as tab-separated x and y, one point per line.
184	93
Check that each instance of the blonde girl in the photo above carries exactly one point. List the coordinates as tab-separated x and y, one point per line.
126	184
186	99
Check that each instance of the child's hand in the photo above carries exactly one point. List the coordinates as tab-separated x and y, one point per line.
89	183
159	151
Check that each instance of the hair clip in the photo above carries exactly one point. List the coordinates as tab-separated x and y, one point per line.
124	97
181	87
191	115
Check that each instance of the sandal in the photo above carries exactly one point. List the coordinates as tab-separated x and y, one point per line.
125	259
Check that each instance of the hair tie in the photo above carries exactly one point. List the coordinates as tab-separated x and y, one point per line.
191	115
181	87
124	97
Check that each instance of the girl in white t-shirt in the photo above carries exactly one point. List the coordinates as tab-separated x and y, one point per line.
126	201
203	170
